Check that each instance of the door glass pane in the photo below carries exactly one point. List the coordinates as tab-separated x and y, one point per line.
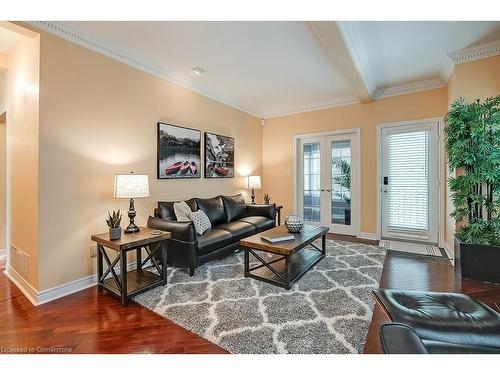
408	181
341	182
312	176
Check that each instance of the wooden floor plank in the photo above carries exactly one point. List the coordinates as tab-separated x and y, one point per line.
92	321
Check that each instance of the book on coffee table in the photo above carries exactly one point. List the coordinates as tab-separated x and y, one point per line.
278	237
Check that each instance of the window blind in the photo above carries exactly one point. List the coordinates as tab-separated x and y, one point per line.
408	188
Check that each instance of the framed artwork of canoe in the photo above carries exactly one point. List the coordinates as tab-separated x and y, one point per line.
219	156
178	152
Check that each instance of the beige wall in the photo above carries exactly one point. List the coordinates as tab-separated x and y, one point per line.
279	132
22	151
98	118
3	187
478	79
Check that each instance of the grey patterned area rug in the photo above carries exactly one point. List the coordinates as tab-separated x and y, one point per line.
327	311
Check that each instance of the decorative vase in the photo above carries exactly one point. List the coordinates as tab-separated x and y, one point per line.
115	233
294	223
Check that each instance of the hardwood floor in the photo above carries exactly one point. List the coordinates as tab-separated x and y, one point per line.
94	322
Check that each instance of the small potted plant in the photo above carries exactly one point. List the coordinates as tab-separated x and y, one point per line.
267	199
113	221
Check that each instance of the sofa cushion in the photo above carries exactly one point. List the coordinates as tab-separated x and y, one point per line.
200	221
238	229
260	222
213	239
182	211
214	208
234	206
166	209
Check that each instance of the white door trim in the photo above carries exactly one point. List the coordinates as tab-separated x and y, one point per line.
355	190
441	171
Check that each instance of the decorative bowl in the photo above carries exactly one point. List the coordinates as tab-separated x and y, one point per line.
294	223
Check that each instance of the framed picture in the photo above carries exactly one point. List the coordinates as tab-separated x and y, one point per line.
178	152
219	156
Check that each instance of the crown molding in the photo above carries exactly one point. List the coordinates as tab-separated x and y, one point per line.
473	53
331	103
410	88
353	41
94	45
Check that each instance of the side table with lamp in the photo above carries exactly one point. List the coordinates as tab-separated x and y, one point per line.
127	284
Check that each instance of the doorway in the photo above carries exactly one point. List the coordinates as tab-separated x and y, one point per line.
409	182
327	180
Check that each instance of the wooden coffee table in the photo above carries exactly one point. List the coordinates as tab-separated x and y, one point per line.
283	263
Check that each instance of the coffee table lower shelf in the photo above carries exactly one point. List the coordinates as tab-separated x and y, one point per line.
276	271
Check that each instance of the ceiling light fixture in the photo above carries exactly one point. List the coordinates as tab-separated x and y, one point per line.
198	71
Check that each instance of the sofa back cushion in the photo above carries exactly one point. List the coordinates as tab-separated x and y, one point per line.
214	208
166	209
234	206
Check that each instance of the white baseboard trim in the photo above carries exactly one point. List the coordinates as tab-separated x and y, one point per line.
449	252
367	236
40	297
23	285
3	254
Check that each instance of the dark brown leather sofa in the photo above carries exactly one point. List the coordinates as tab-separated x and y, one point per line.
231	218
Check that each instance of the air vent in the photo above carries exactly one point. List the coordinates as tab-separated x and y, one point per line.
19	261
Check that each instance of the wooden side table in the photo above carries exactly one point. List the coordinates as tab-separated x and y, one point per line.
140	279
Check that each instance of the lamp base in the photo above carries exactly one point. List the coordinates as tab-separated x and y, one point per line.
132	228
253	196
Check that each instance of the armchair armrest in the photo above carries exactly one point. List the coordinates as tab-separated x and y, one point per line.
267	210
398	338
181	230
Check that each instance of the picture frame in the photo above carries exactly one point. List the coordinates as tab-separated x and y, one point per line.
178	152
218	156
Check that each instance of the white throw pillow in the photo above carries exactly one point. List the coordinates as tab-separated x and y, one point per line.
200	221
182	211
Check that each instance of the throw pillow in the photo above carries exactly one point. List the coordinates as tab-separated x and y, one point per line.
182	211
200	221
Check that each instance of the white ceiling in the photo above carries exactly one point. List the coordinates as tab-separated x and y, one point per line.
273	68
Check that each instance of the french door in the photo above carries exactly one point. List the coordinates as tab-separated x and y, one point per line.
328	181
410	182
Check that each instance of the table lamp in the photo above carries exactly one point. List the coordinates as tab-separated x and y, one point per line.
254	183
131	186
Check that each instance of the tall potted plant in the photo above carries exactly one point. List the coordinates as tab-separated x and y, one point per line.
473	146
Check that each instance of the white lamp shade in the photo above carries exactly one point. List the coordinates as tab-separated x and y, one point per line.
131	186
254	182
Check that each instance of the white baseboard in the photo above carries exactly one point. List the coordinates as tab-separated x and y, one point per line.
3	254
23	285
40	297
449	252
367	236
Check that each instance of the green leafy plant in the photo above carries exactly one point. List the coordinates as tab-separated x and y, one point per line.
473	145
114	220
343	178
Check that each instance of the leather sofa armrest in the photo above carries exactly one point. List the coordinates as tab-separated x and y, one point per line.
397	338
181	230
267	210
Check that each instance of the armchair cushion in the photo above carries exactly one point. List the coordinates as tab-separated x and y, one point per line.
398	338
447	317
234	206
214	208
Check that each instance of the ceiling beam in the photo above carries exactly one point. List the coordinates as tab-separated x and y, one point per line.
335	47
